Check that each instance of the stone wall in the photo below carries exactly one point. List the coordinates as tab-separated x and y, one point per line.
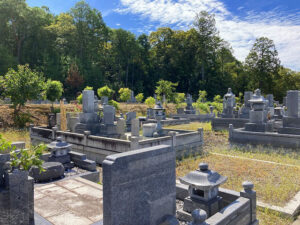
223	123
139	186
97	148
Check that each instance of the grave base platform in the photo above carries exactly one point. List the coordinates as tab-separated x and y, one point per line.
241	136
223	123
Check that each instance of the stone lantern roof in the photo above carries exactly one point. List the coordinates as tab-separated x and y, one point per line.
58	144
158	106
257	97
203	178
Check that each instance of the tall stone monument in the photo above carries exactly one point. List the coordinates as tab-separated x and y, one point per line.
258	113
88	120
228	105
189	105
291	121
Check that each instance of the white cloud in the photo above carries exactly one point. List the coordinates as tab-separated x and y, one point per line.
282	27
118	24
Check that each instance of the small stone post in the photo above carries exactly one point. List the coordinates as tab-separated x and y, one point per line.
199	217
54	130
230	131
173	135
134	142
63	116
200	131
86	134
251	195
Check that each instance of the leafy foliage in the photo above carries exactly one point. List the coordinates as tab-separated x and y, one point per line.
105	91
139	97
5	146
202	96
54	90
25	159
22	85
180	100
125	94
150	102
114	104
166	88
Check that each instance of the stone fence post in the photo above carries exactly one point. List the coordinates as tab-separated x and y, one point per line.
54	130
230	131
200	131
173	136
134	143
249	193
86	135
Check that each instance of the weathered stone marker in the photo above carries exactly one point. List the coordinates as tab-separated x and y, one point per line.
139	186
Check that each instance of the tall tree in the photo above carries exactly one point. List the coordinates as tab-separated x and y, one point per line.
263	64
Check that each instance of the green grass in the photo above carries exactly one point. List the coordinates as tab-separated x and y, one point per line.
192	126
14	135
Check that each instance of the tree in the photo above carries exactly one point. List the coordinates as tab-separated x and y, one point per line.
139	97
263	65
74	80
54	90
22	85
105	91
166	88
179	100
125	94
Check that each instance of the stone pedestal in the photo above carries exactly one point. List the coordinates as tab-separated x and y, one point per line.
210	207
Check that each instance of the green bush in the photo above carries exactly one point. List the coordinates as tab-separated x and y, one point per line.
5	146
105	91
180	100
150	102
54	90
25	159
139	97
125	94
114	104
202	96
22	119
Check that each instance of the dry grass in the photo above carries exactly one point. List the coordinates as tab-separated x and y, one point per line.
275	184
267	217
192	126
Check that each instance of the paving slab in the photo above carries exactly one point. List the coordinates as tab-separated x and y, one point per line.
69	202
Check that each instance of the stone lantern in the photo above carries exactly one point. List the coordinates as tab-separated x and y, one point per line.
59	151
159	114
258	113
228	104
203	190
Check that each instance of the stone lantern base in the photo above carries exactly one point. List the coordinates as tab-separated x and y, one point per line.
211	207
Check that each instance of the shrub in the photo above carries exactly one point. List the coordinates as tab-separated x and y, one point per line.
5	146
114	104
25	159
54	90
125	94
139	97
150	102
22	119
180	100
166	88
105	91
202	96
218	99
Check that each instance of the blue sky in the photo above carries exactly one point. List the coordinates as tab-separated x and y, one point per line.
239	22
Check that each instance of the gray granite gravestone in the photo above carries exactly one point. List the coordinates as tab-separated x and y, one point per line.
291	121
245	109
89	119
139	187
109	114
